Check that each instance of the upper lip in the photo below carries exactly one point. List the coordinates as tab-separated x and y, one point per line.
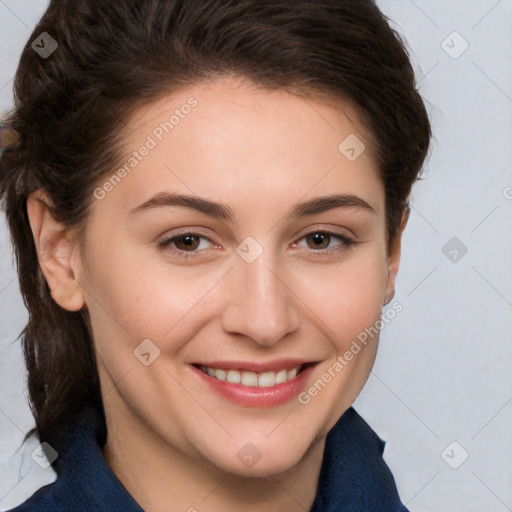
257	366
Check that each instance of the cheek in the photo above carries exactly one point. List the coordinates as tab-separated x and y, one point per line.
348	297
349	303
130	300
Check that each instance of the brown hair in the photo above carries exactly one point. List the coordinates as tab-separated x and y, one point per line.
114	56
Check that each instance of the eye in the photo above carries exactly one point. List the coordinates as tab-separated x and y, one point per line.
325	241
191	244
187	244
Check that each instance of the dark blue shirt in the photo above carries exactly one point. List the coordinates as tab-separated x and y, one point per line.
353	477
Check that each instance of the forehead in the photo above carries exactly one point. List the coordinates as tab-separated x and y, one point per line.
230	139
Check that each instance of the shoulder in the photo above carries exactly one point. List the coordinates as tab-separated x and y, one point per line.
84	481
44	499
354	473
96	492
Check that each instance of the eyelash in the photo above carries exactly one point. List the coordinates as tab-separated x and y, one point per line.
346	243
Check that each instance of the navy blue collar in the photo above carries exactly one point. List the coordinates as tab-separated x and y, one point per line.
353	477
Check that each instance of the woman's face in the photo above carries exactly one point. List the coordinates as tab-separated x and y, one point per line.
241	244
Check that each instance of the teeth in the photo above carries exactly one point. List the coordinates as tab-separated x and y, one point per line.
220	374
292	373
233	376
267	379
281	377
246	378
249	379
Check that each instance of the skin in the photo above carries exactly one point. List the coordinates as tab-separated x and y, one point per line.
172	440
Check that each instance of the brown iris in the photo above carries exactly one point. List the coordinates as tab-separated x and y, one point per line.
320	240
187	242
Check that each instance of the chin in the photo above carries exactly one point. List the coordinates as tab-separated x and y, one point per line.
261	459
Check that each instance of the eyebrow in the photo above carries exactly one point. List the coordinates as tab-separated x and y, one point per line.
223	212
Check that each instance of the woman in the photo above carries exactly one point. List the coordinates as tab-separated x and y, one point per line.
207	211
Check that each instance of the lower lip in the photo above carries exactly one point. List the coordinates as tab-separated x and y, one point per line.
253	396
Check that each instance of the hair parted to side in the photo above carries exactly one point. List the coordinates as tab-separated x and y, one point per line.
115	56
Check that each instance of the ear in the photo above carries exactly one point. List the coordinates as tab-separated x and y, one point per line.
394	258
55	249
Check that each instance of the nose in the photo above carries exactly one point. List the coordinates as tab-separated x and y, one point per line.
261	306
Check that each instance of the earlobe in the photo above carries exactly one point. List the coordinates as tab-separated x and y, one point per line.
55	248
394	259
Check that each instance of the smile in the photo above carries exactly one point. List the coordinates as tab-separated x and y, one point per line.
252	384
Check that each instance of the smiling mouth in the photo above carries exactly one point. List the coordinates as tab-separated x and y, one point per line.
254	379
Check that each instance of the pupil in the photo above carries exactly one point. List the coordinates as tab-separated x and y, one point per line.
188	241
320	239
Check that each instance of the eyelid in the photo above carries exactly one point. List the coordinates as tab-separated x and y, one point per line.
346	241
164	241
186	230
340	231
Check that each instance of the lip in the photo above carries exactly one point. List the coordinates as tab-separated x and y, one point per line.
254	396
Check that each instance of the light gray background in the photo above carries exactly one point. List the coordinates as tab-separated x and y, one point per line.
443	369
